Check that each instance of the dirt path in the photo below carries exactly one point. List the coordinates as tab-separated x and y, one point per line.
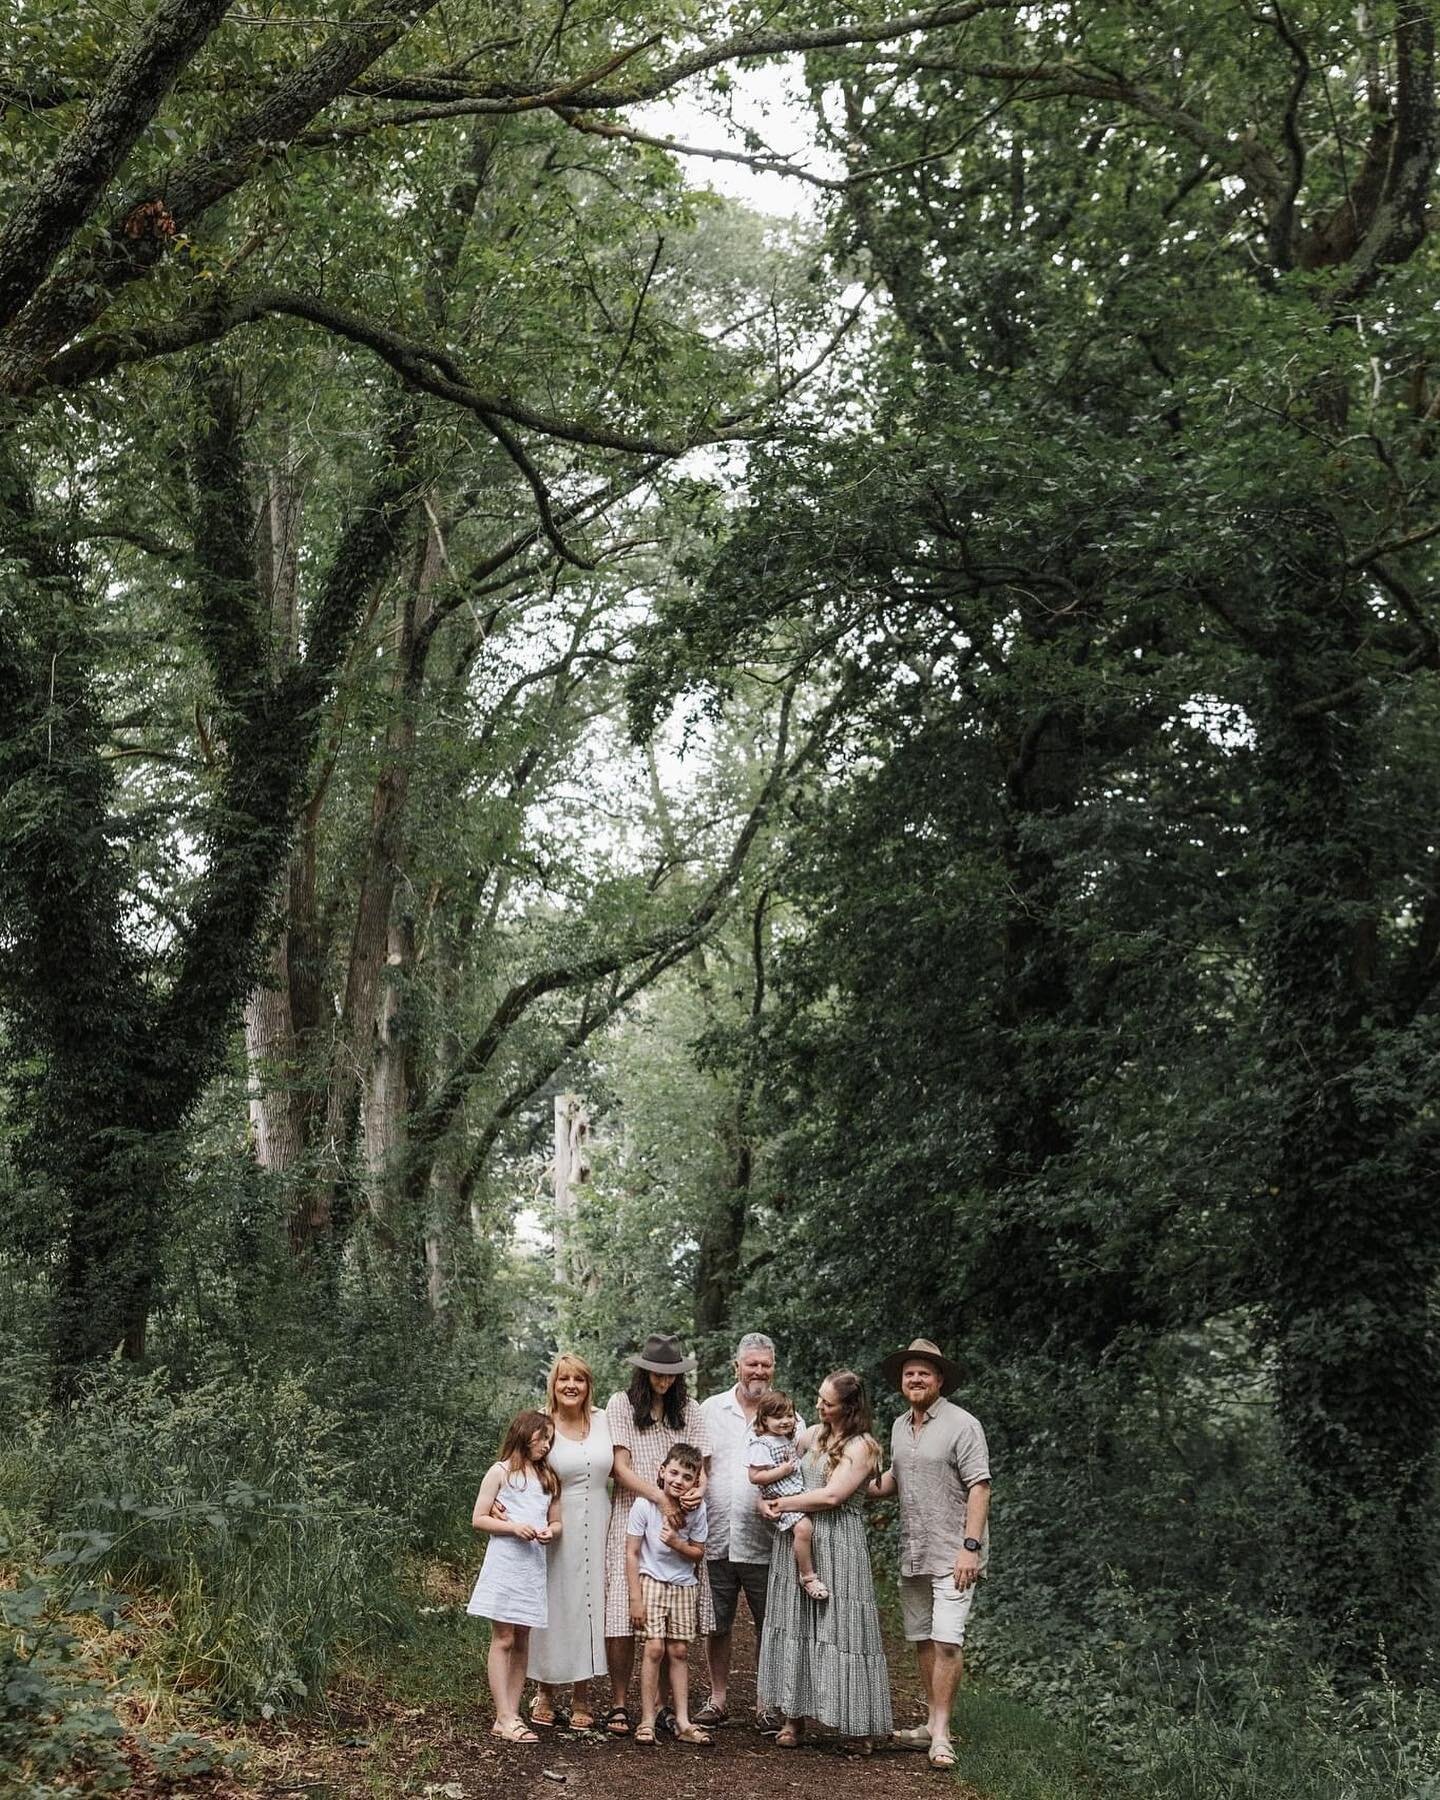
435	1755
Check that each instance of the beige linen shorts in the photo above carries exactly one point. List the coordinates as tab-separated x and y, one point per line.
935	1608
672	1612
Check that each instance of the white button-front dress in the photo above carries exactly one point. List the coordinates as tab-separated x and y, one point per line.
572	1646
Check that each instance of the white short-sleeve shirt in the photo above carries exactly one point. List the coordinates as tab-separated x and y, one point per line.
739	1531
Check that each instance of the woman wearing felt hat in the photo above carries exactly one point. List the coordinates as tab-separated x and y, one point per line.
653	1413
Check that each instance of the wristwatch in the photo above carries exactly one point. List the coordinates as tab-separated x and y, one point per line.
973	1546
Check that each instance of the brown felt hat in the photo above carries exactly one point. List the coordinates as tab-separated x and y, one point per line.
662	1354
921	1350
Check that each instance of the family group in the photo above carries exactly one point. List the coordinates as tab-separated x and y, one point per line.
646	1522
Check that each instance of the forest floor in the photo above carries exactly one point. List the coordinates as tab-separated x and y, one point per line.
418	1726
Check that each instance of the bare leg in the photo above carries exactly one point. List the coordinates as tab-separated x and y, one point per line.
519	1656
804	1535
505	1667
620	1659
717	1653
946	1663
650	1680
497	1671
677	1655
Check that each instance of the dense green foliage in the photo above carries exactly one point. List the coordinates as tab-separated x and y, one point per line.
925	718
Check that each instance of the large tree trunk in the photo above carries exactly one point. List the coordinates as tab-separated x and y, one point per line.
390	1085
362	1032
277	1128
719	1268
124	1047
273	1053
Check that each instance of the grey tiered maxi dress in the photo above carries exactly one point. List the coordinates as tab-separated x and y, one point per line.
825	1659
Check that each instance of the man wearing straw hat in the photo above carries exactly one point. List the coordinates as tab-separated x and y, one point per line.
940	1467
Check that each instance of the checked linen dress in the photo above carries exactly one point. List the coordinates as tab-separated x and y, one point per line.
825	1659
648	1449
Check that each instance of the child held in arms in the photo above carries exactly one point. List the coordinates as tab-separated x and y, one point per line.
775	1466
662	1573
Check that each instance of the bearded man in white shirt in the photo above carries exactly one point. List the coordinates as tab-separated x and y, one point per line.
737	1554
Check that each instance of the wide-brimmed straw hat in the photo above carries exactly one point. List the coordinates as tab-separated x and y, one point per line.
921	1350
662	1354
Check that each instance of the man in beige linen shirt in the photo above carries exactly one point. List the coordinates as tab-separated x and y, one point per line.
940	1467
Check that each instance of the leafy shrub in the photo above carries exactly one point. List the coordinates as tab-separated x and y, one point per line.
57	1728
1143	1535
236	1500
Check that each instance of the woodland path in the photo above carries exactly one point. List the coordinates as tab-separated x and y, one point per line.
435	1755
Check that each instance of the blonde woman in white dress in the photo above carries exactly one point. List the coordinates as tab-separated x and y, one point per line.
571	1648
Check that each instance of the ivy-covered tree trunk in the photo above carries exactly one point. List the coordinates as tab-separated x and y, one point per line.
121	1041
1349	1222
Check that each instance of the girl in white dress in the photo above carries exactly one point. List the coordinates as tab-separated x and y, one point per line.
571	1648
511	1589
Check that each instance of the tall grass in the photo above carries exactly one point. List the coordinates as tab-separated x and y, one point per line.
240	1506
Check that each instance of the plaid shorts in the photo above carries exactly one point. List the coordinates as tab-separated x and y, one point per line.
671	1611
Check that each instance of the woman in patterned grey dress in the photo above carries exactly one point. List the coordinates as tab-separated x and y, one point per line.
825	1659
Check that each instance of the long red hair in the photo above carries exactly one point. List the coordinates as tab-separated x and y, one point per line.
515	1448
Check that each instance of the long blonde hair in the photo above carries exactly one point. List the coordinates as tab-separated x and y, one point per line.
568	1363
854	1420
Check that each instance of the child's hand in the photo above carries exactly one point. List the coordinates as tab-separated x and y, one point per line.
526	1533
669	1536
637	1614
544	1535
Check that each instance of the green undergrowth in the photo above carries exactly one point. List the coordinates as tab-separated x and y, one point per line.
1009	1751
439	1662
1297	1743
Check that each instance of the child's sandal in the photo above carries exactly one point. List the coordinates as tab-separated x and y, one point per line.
694	1734
644	1734
617	1722
814	1587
